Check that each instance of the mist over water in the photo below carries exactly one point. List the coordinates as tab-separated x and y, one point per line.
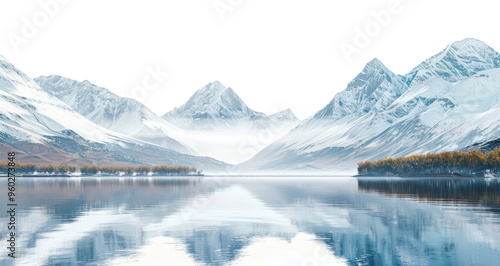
255	221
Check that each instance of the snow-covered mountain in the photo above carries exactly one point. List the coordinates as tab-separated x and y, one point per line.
219	124
27	113
372	91
456	62
41	128
214	122
215	106
123	115
446	103
211	107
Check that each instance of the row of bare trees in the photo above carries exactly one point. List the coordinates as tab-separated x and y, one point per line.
30	168
87	169
142	170
472	163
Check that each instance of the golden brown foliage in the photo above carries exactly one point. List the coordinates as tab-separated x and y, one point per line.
445	163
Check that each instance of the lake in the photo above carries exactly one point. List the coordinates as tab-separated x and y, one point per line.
260	220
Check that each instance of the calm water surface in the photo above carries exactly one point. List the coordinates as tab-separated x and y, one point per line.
255	221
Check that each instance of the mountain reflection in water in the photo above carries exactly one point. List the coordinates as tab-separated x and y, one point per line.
256	221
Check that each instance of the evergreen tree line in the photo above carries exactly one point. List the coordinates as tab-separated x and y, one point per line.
30	168
472	163
143	170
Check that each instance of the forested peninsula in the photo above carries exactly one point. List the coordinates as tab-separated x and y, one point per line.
472	163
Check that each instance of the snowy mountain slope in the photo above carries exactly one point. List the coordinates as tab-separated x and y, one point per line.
485	146
339	123
442	116
368	94
373	90
435	123
119	114
459	60
219	124
35	114
468	104
42	128
434	114
215	106
285	115
214	103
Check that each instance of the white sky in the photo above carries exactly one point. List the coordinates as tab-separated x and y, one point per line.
275	54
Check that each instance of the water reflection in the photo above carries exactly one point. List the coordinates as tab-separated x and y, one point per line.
256	221
475	191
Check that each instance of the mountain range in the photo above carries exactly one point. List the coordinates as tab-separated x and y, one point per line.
448	102
211	123
217	123
119	114
40	128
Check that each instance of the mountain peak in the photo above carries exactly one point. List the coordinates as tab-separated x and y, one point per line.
375	62
469	42
74	92
374	66
210	93
457	61
87	83
372	90
215	88
217	83
469	47
286	114
60	86
374	71
50	77
214	101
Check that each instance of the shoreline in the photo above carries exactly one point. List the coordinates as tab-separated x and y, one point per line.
114	176
424	176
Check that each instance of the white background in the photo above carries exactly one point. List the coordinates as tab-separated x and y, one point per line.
275	54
